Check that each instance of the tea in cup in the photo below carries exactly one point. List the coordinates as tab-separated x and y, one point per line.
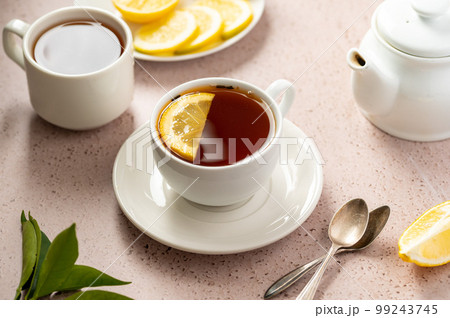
79	65
78	47
215	138
234	126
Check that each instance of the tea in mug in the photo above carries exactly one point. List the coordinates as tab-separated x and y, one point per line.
78	47
214	125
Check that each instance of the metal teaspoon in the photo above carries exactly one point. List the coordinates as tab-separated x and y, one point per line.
346	228
377	220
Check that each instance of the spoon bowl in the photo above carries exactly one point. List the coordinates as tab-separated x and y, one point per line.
377	220
349	223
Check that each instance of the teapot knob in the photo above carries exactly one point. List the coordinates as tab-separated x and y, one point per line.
430	9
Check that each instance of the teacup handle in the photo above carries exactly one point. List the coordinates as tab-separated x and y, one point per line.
11	47
286	88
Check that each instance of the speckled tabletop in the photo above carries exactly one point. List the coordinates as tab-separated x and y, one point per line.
63	176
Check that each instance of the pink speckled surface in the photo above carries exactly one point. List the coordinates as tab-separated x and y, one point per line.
65	177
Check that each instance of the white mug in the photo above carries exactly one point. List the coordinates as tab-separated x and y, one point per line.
223	185
78	102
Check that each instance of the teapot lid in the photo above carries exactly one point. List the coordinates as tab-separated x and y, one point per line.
416	27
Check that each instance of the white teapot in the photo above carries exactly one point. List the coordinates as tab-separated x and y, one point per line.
401	72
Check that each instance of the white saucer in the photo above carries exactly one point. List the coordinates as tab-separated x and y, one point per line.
257	6
275	211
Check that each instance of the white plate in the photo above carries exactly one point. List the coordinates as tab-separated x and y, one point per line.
257	6
153	207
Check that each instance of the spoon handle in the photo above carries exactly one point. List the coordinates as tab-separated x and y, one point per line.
309	290
290	278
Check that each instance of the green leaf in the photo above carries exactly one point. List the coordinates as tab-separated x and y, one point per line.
29	252
97	295
58	263
85	276
23	218
43	246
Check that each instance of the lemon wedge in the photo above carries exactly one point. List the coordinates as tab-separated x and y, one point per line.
166	34
210	27
236	14
143	11
182	122
426	242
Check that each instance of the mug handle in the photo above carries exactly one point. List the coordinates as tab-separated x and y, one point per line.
282	87
11	47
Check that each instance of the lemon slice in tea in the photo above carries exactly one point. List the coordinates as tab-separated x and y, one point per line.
182	122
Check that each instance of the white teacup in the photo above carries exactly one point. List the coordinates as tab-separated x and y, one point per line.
81	101
223	185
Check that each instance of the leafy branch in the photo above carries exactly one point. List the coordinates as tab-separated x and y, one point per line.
49	267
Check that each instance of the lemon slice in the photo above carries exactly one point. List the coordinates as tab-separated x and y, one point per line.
167	34
210	27
182	123
143	11
236	14
426	242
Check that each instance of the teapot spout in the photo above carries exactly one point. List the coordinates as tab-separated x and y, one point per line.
356	61
375	90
